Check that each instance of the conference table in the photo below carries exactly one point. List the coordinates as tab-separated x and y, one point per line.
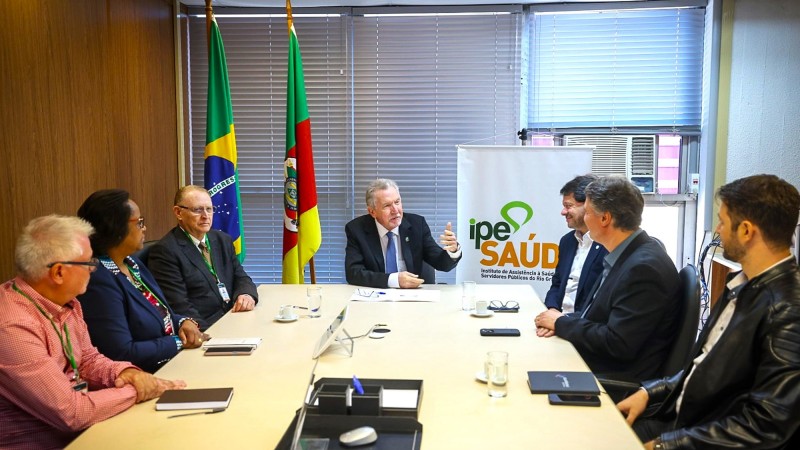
432	341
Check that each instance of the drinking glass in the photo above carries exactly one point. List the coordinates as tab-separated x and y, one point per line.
314	296
468	295
497	373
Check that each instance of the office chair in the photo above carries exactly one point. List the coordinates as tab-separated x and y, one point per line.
428	273
685	337
144	253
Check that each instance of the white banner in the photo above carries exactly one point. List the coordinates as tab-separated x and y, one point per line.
509	211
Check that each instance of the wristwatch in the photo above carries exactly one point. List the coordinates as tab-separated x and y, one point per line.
657	445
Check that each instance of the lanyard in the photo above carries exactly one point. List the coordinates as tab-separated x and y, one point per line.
209	262
66	346
135	274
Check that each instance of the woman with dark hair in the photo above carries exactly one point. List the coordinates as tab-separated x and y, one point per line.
128	317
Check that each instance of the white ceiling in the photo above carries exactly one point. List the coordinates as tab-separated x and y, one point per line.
318	3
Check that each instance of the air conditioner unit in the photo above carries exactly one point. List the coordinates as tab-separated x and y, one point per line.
631	156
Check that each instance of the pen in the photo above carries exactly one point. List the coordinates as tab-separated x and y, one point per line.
299	307
213	411
357	386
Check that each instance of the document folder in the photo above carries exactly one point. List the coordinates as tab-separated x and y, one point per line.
562	383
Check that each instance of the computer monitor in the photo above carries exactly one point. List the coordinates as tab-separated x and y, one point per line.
331	334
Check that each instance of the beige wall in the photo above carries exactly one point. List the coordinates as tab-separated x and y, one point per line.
764	116
87	101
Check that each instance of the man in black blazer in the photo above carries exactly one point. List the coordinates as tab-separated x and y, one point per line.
197	267
368	243
577	251
628	326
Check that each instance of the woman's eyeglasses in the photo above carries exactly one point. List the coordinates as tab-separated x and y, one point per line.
139	222
91	264
509	306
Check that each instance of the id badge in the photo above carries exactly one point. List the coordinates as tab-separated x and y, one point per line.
223	292
81	386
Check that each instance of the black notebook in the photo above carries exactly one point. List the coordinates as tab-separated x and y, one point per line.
195	399
562	383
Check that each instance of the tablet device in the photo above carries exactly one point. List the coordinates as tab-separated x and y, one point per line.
331	332
227	351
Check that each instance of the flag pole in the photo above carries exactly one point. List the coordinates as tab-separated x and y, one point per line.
209	18
311	271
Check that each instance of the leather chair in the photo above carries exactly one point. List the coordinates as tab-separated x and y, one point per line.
428	273
143	254
685	337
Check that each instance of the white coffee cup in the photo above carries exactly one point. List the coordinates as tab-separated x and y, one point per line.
286	312
481	307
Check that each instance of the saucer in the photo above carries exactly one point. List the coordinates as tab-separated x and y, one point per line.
481	376
486	314
288	319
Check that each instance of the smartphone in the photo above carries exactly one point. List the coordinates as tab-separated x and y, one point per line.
573	399
499	332
223	351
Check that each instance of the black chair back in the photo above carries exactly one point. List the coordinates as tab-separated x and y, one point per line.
428	273
689	321
144	252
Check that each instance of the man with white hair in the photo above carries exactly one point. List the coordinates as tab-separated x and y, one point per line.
53	382
386	248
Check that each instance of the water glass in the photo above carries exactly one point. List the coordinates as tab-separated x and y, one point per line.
314	296
497	373
468	295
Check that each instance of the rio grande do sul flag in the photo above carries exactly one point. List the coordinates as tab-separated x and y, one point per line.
302	233
221	174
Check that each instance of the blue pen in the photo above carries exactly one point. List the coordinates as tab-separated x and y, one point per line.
357	386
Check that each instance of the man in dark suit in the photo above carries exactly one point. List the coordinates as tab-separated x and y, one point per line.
628	326
580	259
197	267
386	248
742	389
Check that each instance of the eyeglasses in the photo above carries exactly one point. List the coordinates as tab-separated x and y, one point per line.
139	222
209	210
509	306
368	293
91	264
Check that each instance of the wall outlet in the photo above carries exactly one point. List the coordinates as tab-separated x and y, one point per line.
694	186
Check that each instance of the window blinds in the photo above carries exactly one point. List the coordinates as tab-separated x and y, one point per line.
623	68
389	95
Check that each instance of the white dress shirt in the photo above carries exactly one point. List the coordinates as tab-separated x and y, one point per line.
584	245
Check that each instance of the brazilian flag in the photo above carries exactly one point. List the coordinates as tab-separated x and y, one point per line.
221	170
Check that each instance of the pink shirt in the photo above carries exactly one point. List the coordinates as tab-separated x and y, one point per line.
38	407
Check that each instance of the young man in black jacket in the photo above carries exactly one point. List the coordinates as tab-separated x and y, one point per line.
742	389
